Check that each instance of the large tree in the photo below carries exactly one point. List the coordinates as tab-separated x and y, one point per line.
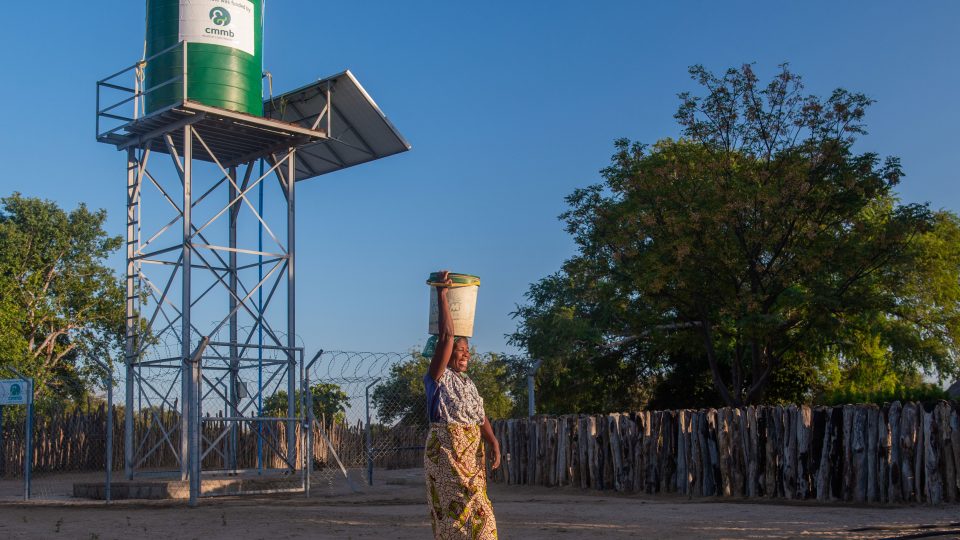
60	305
758	249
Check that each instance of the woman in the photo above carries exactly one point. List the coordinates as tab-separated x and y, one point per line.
454	457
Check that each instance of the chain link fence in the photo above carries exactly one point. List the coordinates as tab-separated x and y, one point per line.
69	445
369	415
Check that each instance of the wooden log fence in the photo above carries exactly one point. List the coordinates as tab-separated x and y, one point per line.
898	453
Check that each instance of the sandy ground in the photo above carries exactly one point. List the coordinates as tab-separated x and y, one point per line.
395	508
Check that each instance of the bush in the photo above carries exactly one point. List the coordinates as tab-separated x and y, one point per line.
924	393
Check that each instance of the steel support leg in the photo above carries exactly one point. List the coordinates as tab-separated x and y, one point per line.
133	316
291	307
232	446
186	401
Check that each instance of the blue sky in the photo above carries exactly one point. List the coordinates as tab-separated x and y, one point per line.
509	107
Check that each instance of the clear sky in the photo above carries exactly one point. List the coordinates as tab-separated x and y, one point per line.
509	107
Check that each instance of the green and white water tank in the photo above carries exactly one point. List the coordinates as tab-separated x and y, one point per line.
224	40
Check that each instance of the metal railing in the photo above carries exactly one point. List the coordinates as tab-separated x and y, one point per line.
136	92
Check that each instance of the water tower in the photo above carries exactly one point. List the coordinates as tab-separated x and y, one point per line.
212	361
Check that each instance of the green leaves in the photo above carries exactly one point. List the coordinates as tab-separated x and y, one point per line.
61	305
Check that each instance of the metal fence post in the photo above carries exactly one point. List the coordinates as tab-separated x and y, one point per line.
531	401
308	433
193	420
106	490
108	381
369	434
28	458
311	418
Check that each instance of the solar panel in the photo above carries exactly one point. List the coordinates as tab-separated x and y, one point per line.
358	131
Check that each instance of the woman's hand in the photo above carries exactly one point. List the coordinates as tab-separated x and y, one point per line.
445	321
486	431
495	457
445	282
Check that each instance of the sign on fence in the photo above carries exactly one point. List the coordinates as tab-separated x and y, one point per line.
14	392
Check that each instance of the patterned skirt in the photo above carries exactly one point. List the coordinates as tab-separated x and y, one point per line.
457	483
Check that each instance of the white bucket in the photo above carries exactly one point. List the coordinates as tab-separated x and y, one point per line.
463	307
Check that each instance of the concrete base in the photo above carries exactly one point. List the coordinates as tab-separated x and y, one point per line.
180	489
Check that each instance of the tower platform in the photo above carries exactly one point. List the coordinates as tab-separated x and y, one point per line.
232	137
333	123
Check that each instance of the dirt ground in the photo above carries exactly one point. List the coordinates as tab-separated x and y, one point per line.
395	508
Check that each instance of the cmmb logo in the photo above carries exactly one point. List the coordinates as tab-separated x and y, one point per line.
220	16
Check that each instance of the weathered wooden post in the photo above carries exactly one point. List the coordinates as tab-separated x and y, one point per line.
919	456
738	460
931	461
628	428
949	468
883	455
560	469
593	454
907	443
804	428
873	419
955	442
895	489
681	485
651	442
752	449
822	481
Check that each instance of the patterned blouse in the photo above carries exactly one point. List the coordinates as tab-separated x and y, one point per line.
453	399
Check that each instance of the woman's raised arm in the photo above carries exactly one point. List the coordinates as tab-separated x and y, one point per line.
441	355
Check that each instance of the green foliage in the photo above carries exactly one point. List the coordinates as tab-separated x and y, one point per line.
758	249
60	305
329	402
402	396
924	393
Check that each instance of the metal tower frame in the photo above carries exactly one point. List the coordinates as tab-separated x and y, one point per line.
203	362
187	156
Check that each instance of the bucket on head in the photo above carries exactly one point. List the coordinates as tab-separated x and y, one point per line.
462	297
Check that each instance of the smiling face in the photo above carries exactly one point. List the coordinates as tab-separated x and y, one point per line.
461	355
